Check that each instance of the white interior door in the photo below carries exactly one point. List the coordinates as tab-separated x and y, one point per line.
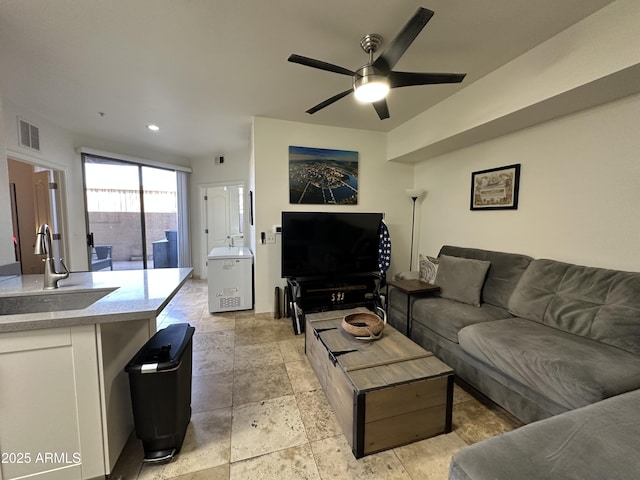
222	210
217	230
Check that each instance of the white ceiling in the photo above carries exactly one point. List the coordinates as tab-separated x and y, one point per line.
200	69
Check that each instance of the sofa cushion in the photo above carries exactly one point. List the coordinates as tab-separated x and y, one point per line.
461	279
596	303
572	371
428	269
446	317
503	275
592	443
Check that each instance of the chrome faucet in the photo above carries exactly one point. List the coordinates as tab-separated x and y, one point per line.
43	247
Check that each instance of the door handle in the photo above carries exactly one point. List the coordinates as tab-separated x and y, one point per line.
90	240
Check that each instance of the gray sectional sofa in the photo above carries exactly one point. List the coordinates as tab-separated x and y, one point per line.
547	337
596	442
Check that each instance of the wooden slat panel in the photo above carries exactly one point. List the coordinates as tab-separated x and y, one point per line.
334	382
338	340
400	430
414	369
379	363
397	345
400	372
339	393
392	402
367	379
392	347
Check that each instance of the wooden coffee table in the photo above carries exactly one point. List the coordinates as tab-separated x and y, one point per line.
385	393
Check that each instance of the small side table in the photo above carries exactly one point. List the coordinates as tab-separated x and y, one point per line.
411	287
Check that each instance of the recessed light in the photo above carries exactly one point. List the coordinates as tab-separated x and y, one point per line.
153	128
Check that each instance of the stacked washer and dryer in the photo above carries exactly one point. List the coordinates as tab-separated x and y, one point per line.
230	272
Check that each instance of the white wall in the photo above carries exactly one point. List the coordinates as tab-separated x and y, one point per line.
589	63
57	151
579	191
205	172
381	188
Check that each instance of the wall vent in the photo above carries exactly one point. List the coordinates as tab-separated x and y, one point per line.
29	135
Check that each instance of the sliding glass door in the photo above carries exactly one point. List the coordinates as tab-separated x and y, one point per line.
132	215
159	195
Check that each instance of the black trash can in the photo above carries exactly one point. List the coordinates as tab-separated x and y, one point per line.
160	382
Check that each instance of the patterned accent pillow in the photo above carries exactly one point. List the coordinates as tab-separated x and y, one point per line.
428	268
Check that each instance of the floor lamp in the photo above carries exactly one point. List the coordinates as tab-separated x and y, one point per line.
415	194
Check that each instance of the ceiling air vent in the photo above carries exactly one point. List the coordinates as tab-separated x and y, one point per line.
29	135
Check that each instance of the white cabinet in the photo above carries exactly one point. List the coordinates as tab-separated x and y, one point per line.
65	405
65	409
46	423
230	279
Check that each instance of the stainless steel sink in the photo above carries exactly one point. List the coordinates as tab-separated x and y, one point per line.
51	301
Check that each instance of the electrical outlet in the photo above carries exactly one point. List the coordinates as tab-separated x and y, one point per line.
271	238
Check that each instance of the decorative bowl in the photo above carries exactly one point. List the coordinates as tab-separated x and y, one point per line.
363	325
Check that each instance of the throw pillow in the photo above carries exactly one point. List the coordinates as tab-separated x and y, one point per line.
461	279
428	269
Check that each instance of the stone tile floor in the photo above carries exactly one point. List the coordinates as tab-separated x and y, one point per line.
258	411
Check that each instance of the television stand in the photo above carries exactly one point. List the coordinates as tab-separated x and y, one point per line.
320	294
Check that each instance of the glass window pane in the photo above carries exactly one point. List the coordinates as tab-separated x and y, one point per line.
159	188
113	209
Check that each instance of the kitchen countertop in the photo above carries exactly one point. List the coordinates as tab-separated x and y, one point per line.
136	294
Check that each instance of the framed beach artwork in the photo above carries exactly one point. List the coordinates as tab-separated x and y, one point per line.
322	176
496	188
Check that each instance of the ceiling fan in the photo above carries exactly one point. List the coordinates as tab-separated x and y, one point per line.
372	81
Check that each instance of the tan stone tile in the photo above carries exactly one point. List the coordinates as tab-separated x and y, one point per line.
265	427
429	459
262	320
472	421
254	335
295	463
336	461
317	415
460	395
206	445
251	356
302	376
214	340
210	392
292	349
186	313
215	473
245	314
261	383
283	331
208	362
213	323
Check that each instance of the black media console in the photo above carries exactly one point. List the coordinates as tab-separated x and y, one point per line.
312	295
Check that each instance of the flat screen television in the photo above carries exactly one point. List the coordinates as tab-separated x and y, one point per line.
326	244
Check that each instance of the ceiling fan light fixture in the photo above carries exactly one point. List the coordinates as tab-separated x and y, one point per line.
369	86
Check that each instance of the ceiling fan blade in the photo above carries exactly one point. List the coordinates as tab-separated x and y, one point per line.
407	79
382	109
310	62
329	101
396	48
